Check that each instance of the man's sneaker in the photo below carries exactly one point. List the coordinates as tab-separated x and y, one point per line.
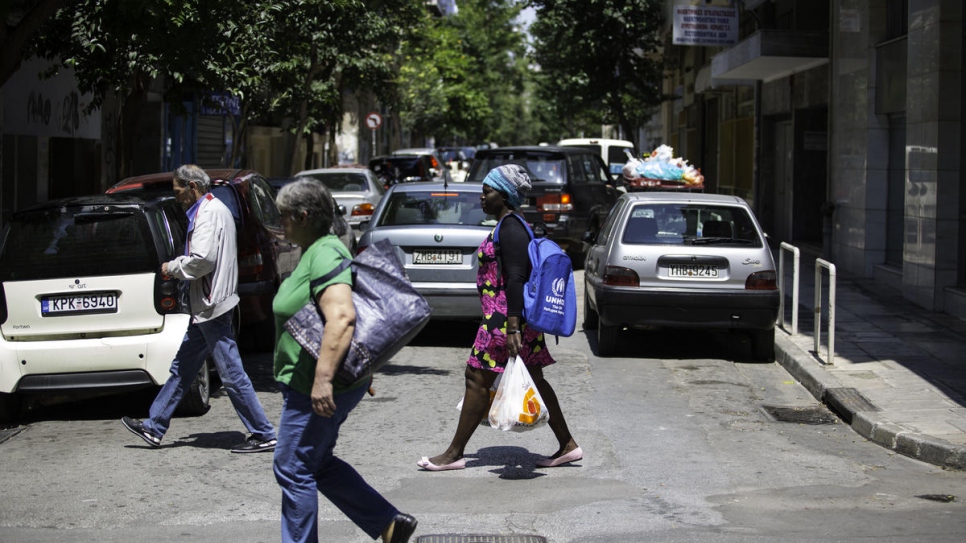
137	428
253	444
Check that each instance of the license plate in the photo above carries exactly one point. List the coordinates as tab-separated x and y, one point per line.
692	271
75	304
438	256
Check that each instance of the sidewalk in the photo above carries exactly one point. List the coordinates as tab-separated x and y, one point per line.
899	372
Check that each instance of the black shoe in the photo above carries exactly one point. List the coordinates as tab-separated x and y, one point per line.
253	444
137	428
404	527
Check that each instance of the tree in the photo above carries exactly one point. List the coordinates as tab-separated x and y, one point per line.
280	58
21	20
599	59
462	77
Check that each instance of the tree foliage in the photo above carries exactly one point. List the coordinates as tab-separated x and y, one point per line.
599	60
462	78
283	59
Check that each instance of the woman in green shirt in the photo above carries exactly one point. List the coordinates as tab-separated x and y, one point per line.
314	408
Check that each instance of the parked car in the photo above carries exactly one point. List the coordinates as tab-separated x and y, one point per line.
84	309
340	227
437	229
357	189
458	160
613	152
571	195
401	169
265	258
681	260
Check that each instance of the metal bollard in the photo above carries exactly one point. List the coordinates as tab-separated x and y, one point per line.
819	264
781	285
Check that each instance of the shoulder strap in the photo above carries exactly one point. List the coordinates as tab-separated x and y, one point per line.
325	279
329	276
496	240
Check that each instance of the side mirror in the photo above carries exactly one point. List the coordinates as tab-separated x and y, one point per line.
589	237
363	226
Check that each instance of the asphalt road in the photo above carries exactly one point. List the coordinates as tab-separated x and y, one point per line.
678	447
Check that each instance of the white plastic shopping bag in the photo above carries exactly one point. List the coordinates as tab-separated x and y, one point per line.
496	383
517	406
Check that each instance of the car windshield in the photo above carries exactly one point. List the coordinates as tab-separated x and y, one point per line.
690	224
76	242
541	166
342	181
434	207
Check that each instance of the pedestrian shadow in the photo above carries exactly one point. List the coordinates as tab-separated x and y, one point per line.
510	463
209	440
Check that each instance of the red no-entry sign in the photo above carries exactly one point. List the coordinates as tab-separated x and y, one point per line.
373	120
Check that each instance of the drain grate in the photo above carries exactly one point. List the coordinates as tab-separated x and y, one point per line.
942	498
801	415
480	538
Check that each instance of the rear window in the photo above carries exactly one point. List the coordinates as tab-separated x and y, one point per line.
77	242
342	182
545	167
400	167
434	207
690	224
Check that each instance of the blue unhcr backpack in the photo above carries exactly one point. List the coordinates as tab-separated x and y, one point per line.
549	296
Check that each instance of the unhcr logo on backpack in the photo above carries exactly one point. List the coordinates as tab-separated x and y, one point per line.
557	290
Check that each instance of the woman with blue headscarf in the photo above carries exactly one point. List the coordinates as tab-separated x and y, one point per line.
503	332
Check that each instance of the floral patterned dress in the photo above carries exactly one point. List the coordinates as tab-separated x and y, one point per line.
489	350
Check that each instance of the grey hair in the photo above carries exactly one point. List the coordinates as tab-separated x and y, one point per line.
190	173
311	197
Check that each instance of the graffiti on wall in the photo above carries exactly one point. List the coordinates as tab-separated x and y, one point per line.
64	113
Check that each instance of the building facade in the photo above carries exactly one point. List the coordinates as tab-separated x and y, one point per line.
841	121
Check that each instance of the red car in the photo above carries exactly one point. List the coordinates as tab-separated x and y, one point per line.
265	258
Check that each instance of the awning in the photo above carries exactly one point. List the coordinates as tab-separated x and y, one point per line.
768	55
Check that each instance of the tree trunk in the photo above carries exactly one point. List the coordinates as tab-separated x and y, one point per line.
130	118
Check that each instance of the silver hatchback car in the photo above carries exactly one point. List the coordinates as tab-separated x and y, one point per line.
665	259
437	230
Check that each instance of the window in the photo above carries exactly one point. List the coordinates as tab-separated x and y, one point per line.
77	242
686	224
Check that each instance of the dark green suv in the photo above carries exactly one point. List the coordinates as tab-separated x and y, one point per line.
572	191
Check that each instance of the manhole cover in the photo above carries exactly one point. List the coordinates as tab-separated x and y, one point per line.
479	538
802	415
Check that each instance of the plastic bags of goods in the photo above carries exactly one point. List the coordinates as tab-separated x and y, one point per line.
661	169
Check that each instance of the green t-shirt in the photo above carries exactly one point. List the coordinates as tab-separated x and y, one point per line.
294	366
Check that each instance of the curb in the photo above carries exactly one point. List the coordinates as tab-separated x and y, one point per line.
869	424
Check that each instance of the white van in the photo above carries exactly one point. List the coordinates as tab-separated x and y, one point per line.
614	152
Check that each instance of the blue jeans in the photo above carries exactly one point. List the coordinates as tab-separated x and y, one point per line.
305	466
214	336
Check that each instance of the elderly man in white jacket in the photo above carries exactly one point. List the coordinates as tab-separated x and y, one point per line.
210	266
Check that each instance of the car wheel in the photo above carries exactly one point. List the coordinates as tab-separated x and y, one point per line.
196	398
10	407
607	337
763	344
591	319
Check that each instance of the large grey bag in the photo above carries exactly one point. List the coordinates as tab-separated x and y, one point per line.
389	313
